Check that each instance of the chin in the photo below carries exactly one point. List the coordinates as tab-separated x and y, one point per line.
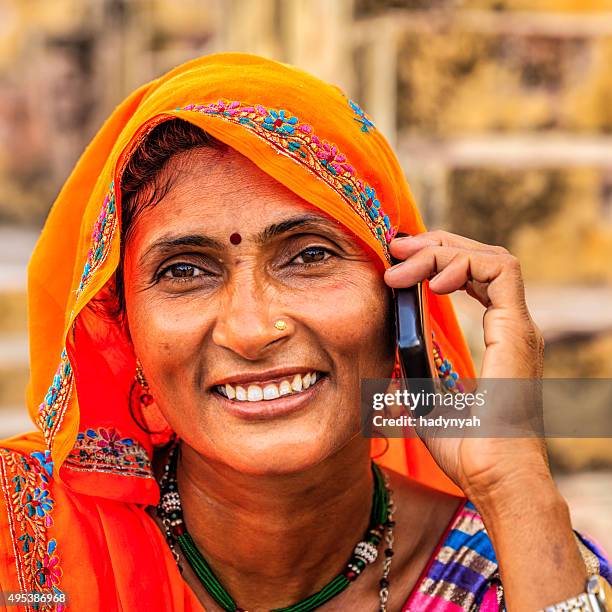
279	456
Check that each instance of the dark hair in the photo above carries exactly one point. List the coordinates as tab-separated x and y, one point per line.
144	182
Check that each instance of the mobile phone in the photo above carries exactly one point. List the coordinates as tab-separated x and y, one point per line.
414	339
413	332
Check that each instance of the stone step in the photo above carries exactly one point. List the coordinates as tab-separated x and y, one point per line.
14	370
13	351
13	311
16	245
14	419
13	381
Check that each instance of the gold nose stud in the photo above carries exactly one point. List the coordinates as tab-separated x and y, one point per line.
280	325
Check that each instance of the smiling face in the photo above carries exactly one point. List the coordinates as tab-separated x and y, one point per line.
202	311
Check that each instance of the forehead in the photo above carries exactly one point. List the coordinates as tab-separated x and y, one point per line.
217	191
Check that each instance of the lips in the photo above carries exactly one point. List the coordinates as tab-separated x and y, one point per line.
266	391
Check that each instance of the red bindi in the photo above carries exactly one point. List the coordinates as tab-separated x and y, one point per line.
235	238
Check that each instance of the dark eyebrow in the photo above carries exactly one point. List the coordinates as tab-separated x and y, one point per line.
303	221
168	244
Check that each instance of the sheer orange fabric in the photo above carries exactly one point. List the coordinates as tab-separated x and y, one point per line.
74	491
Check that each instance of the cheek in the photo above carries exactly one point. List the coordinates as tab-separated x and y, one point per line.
169	329
160	325
353	319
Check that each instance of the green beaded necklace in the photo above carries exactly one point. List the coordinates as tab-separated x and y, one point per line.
366	551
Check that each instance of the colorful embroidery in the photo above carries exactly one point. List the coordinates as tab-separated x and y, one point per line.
361	117
284	131
446	373
53	407
101	237
104	450
25	482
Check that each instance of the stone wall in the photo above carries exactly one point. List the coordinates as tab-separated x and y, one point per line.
500	110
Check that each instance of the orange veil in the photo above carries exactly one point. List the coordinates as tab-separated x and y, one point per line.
303	132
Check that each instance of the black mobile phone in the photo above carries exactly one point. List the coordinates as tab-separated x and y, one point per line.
413	332
414	340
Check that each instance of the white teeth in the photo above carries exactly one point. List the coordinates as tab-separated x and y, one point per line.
271	391
254	393
296	383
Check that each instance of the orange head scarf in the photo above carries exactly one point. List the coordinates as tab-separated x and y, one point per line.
304	133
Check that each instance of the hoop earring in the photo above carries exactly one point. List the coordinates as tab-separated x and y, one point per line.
155	423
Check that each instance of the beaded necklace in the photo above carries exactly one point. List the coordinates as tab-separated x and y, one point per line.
381	525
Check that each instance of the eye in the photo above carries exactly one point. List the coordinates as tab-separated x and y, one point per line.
313	255
181	271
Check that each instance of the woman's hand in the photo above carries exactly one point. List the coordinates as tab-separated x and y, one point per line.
514	348
506	478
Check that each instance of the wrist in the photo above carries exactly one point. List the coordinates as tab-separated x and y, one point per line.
517	495
526	522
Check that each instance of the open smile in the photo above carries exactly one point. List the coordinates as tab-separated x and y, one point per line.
271	398
270	390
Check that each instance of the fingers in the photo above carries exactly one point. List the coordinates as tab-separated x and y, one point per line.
490	274
404	247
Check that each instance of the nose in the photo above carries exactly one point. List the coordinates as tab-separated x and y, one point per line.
247	316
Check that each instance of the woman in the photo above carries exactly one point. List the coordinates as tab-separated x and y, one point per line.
214	278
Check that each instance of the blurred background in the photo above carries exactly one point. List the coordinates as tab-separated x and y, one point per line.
500	112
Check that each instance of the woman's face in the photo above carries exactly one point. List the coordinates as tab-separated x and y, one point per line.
201	313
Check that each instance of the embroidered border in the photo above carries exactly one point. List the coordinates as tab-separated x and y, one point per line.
52	408
298	140
104	450
29	506
361	117
101	237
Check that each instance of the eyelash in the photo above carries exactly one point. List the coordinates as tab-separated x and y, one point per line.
189	279
314	248
178	279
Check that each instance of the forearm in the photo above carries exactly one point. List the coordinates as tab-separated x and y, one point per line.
531	532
